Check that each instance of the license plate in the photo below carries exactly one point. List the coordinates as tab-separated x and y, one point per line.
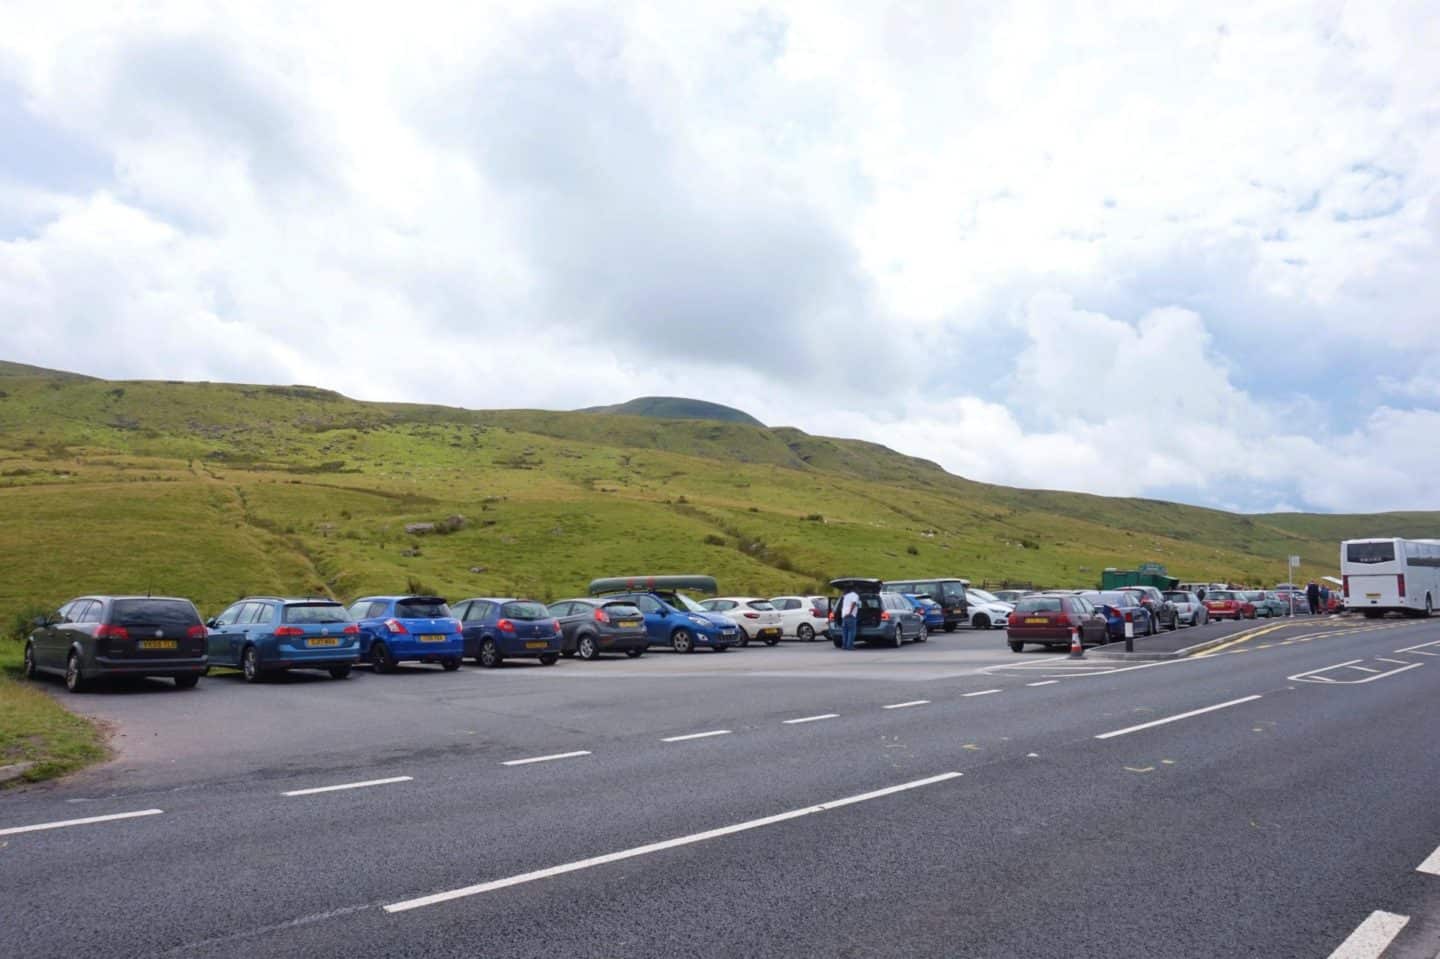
1036	621
1372	595
536	645
332	641
159	644
434	638
629	623
770	632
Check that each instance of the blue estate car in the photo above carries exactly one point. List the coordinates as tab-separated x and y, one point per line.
933	612
260	635
398	628
1120	607
499	629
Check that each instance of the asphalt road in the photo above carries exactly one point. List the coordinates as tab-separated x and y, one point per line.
1277	797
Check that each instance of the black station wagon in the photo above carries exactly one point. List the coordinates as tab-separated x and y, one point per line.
98	636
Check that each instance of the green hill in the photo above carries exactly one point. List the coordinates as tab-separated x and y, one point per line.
215	490
677	408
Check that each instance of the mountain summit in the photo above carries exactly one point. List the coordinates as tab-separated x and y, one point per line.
677	408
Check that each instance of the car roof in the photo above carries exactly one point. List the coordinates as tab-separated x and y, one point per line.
105	598
649	584
396	599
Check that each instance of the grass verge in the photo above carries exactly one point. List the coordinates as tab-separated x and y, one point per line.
35	728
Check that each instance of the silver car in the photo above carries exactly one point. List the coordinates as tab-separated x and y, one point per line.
1191	611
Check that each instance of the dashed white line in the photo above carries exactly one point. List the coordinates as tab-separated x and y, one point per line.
913	702
1371	937
546	759
1047	682
810	719
61	824
983	692
359	785
704	735
1172	719
655	847
1431	864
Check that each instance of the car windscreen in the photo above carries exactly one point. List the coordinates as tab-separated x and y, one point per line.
154	612
683	602
983	596
821	603
1038	604
422	608
1178	597
1369	553
1109	598
525	610
315	613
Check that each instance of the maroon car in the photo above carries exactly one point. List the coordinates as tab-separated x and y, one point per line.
1048	618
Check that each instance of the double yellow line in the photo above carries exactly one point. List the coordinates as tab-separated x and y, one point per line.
1335	629
1243	638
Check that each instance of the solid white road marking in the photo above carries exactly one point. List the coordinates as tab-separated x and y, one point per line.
546	759
1172	719
1431	864
1411	649
1047	682
810	719
1371	937
913	702
983	692
61	824
1365	669
359	785
705	735
659	846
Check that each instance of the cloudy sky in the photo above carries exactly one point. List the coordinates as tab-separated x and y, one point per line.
1180	250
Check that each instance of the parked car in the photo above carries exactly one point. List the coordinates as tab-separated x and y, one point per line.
1267	604
263	635
590	627
930	611
802	617
948	591
756	618
1164	612
1121	606
987	611
1228	604
672	618
497	629
395	629
1047	619
93	637
1012	596
884	616
1188	608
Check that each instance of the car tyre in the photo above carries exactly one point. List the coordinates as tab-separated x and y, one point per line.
744	637
981	621
29	666
74	675
450	663
381	658
771	641
634	653
805	633
1016	647
836	642
549	659
586	649
899	639
250	665
923	635
489	656
340	672
187	680
682	642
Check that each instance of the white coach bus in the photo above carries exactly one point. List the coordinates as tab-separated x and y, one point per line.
1381	576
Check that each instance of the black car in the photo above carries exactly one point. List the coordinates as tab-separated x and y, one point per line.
591	626
1162	610
884	617
98	636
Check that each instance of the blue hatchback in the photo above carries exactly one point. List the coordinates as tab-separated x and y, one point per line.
1120	607
933	612
398	628
261	635
501	629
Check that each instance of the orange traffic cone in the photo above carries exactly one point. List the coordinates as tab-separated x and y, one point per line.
1077	651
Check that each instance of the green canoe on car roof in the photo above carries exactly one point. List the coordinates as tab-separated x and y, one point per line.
628	584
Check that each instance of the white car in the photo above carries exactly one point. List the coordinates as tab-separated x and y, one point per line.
986	610
804	617
755	616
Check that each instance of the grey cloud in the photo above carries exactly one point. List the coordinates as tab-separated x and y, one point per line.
42	153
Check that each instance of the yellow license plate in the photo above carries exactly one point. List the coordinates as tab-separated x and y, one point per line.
628	623
159	644
331	641
536	645
1036	621
433	639
1372	595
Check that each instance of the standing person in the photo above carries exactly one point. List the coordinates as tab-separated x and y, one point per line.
1200	594
849	613
1324	598
1312	596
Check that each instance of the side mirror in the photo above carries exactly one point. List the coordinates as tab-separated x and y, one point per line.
211	623
40	622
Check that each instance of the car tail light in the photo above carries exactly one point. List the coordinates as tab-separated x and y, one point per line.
505	626
1129	616
395	626
601	616
1345	585
1401	578
752	615
556	624
830	617
885	616
351	630
196	632
819	613
111	632
289	631
1062	620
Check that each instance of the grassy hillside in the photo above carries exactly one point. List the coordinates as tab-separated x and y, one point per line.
677	408
212	491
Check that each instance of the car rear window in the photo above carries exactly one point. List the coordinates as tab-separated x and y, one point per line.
1178	597
315	613
1222	594
622	609
821	603
154	612
525	610
762	605
425	608
1039	604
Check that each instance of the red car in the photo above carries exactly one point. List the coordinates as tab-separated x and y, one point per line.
1228	604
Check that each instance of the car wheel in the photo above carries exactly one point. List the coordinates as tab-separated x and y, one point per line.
1429	609
340	672
450	663
250	665
187	681
489	654
923	635
1016	647
74	676
805	633
981	621
586	648
682	642
744	637
549	659
899	639
771	641
836	642
381	658
634	653
29	667
949	627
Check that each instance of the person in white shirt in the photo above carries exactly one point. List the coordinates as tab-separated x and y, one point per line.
849	618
